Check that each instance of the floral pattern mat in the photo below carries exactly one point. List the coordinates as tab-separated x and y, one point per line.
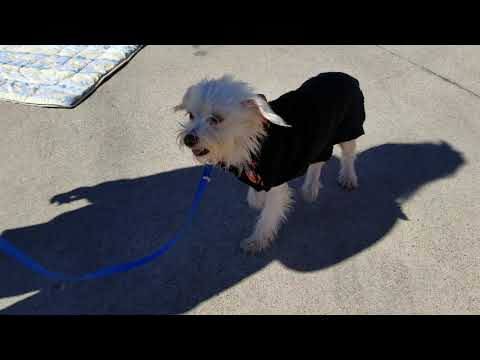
57	75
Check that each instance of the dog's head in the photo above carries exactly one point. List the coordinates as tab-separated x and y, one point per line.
224	121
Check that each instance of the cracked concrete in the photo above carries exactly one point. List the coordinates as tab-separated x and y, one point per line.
431	71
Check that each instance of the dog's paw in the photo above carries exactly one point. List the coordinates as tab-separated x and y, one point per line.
254	245
348	181
255	200
310	191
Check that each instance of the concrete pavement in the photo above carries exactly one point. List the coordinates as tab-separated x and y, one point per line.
105	183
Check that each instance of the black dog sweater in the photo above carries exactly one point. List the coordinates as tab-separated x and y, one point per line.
325	110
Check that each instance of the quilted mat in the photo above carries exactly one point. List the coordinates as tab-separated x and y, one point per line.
57	75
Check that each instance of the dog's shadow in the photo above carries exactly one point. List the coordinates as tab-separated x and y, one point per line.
127	219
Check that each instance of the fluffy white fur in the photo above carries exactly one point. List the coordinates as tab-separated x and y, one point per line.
243	112
348	177
236	133
312	183
276	205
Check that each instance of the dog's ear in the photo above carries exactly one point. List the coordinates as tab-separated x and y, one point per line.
263	97
260	104
179	107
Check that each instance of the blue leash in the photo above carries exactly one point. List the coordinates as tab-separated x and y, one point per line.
17	254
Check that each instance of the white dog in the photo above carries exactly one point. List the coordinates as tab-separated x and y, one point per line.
266	144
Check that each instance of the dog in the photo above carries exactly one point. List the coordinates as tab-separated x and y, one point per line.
268	143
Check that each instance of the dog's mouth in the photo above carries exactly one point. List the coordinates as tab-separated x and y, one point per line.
200	152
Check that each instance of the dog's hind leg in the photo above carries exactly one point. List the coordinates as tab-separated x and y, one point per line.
255	199
312	183
277	203
347	177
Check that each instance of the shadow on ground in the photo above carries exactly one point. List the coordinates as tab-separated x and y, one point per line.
127	219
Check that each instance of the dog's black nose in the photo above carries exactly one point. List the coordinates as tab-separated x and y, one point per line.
190	140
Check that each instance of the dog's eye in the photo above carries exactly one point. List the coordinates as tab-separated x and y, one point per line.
190	115
215	119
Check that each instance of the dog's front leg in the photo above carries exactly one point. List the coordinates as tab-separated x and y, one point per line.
277	203
256	199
